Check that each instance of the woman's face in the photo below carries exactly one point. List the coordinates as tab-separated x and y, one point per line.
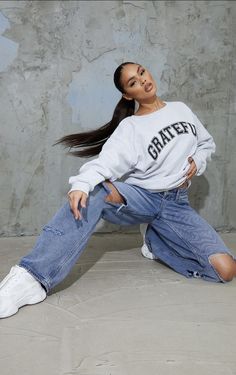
137	83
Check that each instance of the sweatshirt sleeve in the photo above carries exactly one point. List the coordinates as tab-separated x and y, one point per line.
116	158
205	147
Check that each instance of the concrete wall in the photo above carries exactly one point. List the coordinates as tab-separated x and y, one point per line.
57	60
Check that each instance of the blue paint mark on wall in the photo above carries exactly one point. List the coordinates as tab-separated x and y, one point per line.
8	48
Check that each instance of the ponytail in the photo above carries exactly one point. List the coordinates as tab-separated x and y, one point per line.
92	142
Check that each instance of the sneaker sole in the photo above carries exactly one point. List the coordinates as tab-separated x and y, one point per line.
22	302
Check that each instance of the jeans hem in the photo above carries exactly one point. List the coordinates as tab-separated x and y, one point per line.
36	276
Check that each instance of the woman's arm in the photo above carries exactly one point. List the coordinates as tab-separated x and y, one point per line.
117	157
205	147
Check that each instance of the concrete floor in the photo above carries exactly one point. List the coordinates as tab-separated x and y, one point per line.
118	313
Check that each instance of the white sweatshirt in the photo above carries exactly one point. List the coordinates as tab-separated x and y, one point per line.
150	151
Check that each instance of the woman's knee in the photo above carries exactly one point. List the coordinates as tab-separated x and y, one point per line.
224	265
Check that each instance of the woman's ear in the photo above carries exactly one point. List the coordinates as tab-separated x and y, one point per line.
127	97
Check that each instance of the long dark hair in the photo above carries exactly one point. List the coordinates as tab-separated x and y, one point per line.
92	141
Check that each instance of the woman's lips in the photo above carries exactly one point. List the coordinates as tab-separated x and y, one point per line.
148	87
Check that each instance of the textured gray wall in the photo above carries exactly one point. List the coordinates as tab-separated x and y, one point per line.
57	60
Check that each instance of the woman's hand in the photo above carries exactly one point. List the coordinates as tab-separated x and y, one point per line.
76	197
192	170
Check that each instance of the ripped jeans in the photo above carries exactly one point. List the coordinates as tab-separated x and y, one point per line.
176	234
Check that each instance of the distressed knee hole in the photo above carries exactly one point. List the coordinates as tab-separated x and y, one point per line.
223	266
114	196
48	228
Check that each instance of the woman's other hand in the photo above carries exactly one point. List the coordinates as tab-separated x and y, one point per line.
192	170
77	197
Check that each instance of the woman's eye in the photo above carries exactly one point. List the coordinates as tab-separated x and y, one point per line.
142	71
133	83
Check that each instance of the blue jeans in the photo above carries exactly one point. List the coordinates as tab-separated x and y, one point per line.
176	234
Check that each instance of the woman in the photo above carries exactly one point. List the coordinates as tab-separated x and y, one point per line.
157	150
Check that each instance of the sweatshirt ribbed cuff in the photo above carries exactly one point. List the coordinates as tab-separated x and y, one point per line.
82	186
198	163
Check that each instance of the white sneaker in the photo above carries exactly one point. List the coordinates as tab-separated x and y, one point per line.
17	289
144	249
147	253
